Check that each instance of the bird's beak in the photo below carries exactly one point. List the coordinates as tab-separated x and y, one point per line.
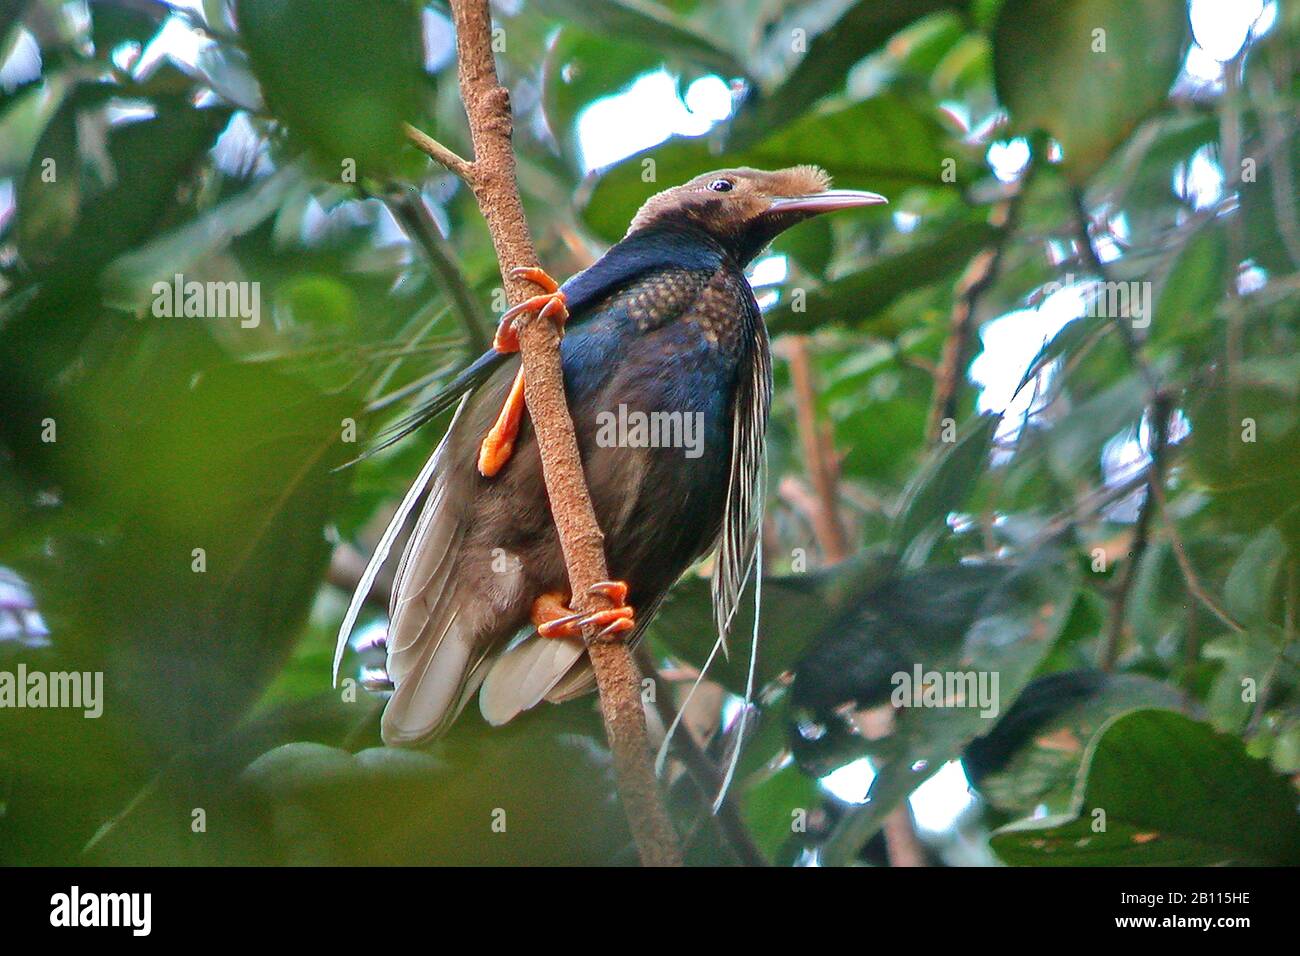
827	201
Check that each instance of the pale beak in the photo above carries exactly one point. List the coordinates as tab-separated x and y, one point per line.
827	201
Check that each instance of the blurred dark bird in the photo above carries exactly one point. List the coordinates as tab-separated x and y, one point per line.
664	336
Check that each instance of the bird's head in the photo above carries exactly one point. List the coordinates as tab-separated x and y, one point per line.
744	209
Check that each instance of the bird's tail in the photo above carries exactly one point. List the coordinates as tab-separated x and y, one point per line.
528	672
432	683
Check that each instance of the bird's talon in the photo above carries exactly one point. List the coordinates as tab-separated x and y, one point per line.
536	275
506	339
611	631
613	591
566	626
554	620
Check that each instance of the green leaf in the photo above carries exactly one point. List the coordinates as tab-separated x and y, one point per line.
1013	631
1171	792
128	281
1265	205
859	296
223	493
1072	335
1088	71
342	76
774	806
25	114
883	143
107	188
1248	660
1248	592
538	791
945	482
860	28
1245	448
1034	752
650	24
1184	308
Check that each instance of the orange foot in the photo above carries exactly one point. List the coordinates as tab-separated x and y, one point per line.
554	618
499	443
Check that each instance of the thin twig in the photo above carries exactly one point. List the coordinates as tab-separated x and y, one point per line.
1190	577
1159	414
818	451
426	144
409	209
978	277
491	176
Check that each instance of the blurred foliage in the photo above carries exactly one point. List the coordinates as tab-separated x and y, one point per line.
172	514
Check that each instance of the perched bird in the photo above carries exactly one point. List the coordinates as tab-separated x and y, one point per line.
664	324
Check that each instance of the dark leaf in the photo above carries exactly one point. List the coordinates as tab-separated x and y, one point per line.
1158	788
1087	72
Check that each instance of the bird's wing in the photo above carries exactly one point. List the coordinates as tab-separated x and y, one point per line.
436	619
428	474
524	674
742	516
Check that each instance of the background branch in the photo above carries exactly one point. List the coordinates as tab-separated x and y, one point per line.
979	275
409	209
901	844
704	773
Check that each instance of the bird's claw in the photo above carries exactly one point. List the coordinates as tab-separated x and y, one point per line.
554	620
550	304
537	276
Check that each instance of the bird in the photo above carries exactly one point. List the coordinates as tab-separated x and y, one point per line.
664	324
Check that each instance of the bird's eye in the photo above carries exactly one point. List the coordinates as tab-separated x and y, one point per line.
722	185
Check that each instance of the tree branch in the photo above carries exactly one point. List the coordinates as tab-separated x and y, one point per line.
980	274
491	176
819	454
